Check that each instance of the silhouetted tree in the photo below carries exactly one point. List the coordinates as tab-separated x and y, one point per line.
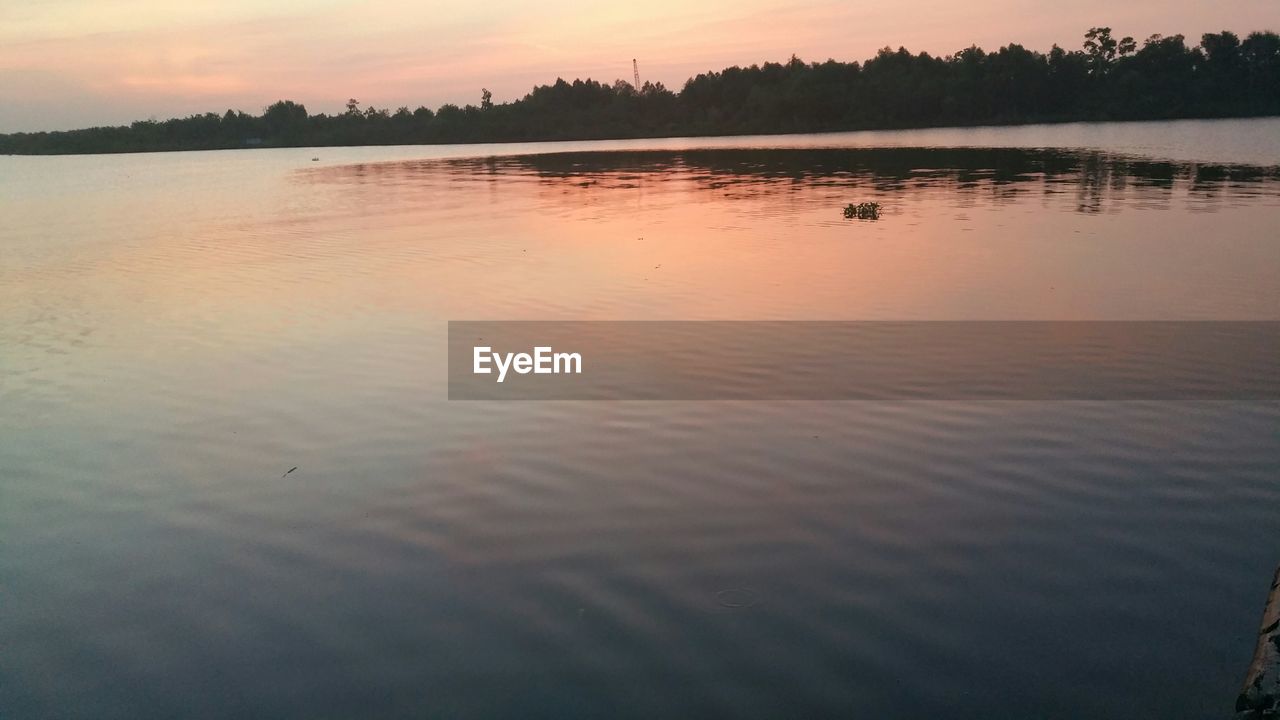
1103	49
285	119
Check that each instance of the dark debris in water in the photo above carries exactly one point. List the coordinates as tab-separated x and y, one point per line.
863	211
286	472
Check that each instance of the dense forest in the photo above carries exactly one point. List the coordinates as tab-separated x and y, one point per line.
1107	79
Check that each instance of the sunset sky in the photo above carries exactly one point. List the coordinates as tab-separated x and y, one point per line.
75	63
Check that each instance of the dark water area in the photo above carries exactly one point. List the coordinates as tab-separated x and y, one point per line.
178	331
998	172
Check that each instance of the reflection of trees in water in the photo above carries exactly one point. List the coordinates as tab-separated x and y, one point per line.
998	175
1094	177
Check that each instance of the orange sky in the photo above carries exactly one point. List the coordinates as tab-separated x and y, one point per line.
73	63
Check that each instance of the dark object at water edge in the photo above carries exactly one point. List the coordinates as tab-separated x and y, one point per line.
1260	696
863	211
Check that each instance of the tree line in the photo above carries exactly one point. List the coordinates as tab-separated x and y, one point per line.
1108	78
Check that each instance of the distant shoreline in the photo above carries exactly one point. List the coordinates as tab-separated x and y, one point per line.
1109	80
973	126
673	137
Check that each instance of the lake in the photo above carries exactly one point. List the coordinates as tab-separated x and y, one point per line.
233	484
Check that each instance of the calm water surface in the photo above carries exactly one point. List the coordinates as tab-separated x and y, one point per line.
177	331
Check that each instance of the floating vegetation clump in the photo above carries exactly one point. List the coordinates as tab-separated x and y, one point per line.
863	211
